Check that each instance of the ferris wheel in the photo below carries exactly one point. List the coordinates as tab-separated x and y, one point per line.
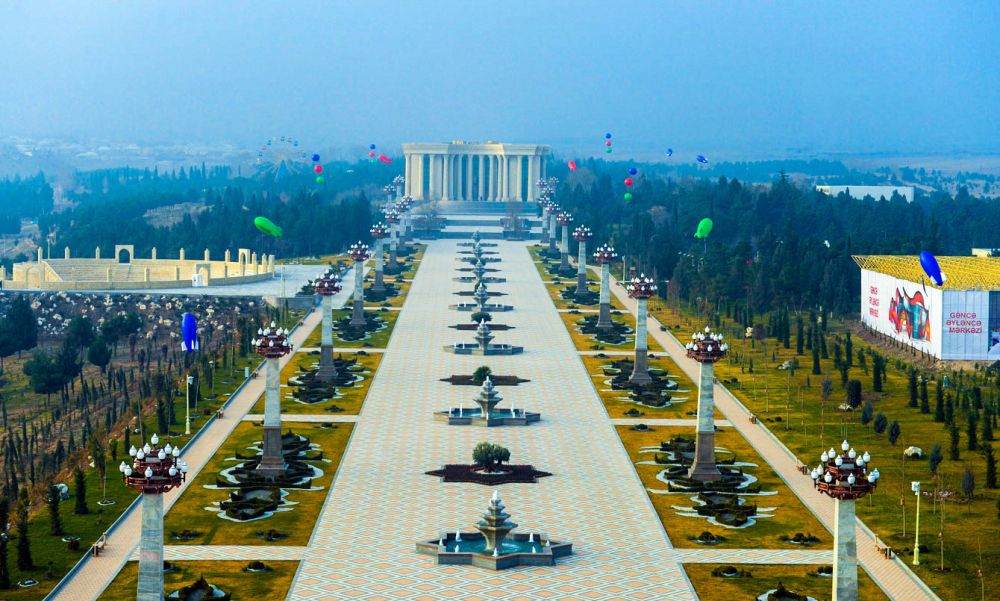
280	157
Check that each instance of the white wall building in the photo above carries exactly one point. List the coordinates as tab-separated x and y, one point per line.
491	171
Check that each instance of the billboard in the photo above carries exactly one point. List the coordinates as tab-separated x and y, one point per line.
948	324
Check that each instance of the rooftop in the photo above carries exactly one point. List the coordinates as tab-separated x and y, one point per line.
963	273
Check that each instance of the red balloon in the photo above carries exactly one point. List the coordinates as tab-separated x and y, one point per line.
608	143
628	181
385	159
318	168
371	154
572	165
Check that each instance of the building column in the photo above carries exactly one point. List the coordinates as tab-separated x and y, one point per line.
703	467
431	175
421	159
501	178
640	370
151	549
490	185
519	178
272	461
604	316
481	192
532	176
469	195
845	552
445	177
409	164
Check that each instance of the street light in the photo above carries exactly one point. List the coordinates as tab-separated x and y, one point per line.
189	380
915	487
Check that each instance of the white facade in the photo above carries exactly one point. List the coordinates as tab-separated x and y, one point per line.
960	325
876	192
491	171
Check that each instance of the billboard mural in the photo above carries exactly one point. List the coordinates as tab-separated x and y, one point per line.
909	315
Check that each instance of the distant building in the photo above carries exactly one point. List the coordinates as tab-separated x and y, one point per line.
958	321
876	192
985	252
464	171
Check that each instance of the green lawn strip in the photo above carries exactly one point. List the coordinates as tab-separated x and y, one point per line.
189	512
790	516
801	422
765	577
686	399
587	342
351	396
394	301
227	575
377	339
555	291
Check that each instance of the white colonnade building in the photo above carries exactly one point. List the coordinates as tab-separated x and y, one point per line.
463	171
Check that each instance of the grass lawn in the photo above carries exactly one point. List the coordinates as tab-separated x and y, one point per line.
227	575
189	512
377	339
555	293
617	407
796	578
351	397
547	276
790	516
394	301
792	407
587	342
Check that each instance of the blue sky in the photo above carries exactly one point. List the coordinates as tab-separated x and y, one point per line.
908	76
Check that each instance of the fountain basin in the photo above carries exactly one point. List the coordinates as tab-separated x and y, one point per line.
473	416
488	307
471	348
516	550
486	278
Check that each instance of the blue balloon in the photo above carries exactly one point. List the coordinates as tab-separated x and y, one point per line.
315	158
670	152
702	159
189	333
607	136
371	147
632	171
931	268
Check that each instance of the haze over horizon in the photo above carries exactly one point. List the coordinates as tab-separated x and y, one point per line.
912	77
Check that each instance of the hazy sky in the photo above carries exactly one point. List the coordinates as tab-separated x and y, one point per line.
720	75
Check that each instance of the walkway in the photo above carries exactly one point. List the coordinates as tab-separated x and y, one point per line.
893	576
382	503
96	573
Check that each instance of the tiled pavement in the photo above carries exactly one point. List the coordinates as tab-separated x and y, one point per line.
303	417
382	503
893	576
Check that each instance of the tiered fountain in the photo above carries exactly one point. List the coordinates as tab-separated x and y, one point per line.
494	547
483	345
481	296
486	413
479	276
478	255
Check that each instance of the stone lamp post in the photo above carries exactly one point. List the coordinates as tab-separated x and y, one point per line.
582	235
359	253
392	218
845	477
379	232
706	348
604	256
405	204
153	471
398	182
272	344
564	219
553	227
641	288
388	190
327	286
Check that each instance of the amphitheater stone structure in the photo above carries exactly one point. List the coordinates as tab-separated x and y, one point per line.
124	271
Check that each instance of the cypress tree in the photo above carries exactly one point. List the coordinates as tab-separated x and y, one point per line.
24	561
799	336
991	465
55	523
80	491
954	453
4	565
849	351
912	387
939	402
972	431
925	406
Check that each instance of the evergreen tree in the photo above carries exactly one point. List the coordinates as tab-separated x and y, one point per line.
22	323
991	465
881	423
4	563
938	403
867	412
53	499
894	432
799	336
954	453
99	353
987	429
972	431
815	356
911	381
935	458
854	393
80	490
24	561
849	351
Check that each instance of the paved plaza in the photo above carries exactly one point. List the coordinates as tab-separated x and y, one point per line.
382	503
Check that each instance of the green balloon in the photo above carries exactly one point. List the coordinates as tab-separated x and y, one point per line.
628	196
320	180
608	150
267	226
704	228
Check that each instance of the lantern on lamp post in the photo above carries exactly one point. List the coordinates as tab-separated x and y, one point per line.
845	476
